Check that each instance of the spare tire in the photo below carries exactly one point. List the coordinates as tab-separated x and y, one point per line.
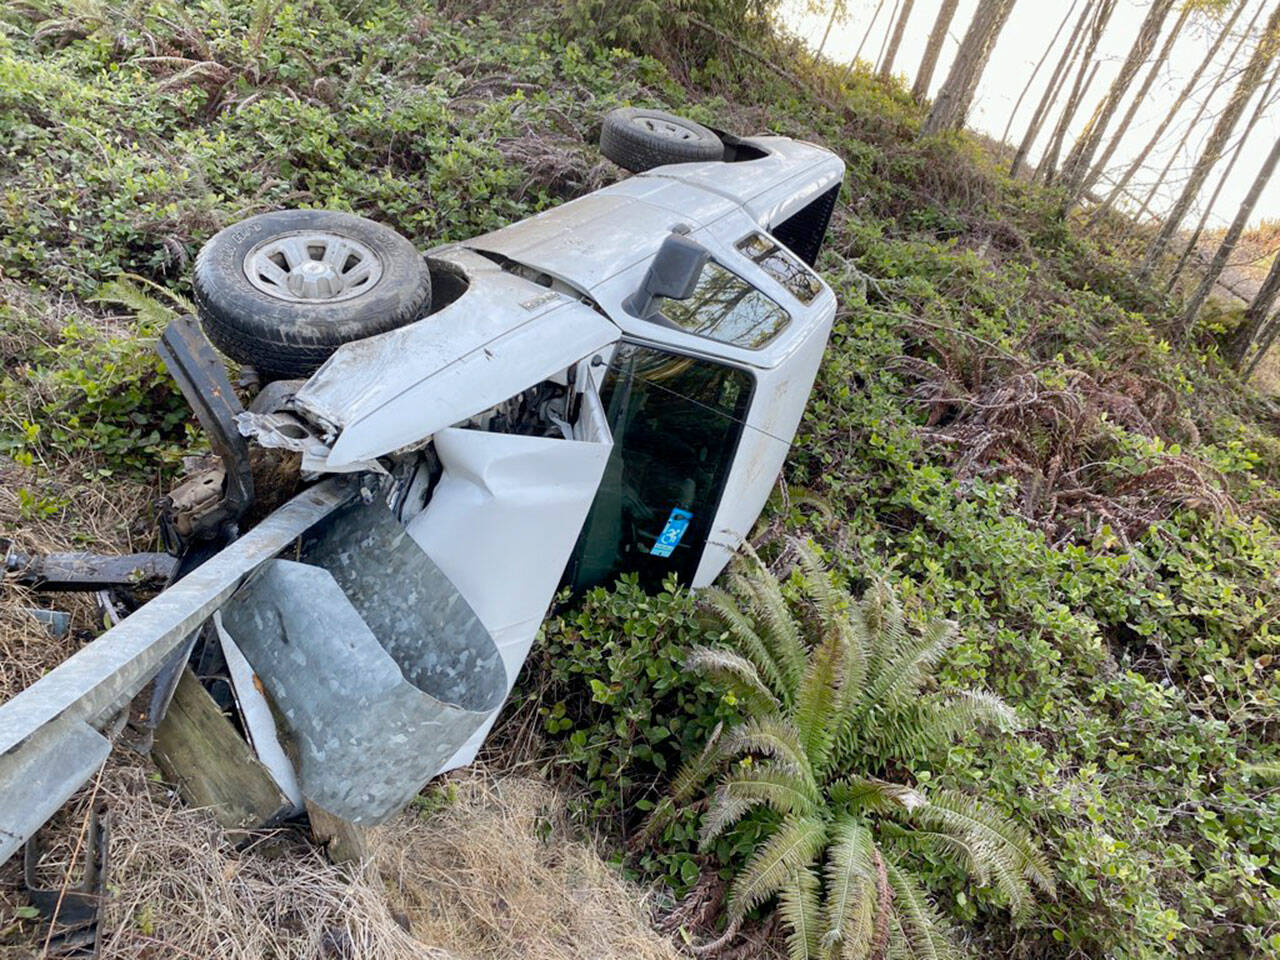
637	139
281	291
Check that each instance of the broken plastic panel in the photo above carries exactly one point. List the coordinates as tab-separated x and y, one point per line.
501	524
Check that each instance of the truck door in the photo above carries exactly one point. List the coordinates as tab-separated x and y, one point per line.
676	421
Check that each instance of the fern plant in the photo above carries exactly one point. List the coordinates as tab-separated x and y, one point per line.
837	706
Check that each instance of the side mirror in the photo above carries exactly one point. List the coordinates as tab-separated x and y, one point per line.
673	274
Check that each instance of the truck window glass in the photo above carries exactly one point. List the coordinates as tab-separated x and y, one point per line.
780	265
676	421
725	307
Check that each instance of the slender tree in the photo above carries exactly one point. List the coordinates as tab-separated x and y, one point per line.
895	41
1250	79
1242	142
1266	339
1138	100
837	11
1075	168
848	68
1224	75
937	36
1004	137
953	100
1256	316
1051	93
1186	93
1047	169
866	36
884	43
1230	239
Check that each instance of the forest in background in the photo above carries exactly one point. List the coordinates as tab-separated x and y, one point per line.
1032	420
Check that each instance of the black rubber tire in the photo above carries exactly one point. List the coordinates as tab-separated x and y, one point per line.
628	144
282	338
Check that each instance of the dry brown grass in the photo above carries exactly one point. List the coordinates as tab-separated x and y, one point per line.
91	516
489	868
498	874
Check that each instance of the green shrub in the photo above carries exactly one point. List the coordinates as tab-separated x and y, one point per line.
838	710
621	712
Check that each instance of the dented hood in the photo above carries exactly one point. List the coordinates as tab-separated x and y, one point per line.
502	336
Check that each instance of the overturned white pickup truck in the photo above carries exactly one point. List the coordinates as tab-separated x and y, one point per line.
609	387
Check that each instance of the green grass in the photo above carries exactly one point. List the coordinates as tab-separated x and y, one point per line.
1133	626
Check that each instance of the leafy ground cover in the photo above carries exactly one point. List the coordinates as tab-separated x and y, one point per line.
999	430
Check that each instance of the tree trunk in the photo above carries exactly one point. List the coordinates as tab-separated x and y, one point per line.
1046	172
1178	104
1230	239
1250	80
1051	93
836	7
1266	339
1004	137
1219	82
893	16
1263	102
886	68
937	37
953	100
1080	158
1255	317
1139	99
857	53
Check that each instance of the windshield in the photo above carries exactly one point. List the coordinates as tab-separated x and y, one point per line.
676	422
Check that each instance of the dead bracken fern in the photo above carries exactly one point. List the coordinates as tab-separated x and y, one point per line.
1054	429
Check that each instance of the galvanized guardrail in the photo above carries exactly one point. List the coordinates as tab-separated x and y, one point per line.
50	734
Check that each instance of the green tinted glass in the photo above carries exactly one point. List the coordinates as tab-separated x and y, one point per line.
676	422
725	307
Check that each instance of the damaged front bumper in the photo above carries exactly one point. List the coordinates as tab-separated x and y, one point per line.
386	610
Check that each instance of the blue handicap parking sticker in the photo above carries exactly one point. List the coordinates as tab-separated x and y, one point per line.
667	541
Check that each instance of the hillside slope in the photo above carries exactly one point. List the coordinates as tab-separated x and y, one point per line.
998	426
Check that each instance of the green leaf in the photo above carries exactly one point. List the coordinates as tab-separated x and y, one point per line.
794	846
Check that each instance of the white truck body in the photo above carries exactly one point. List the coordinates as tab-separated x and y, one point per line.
533	430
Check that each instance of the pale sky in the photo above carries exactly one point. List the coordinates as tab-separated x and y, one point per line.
1021	44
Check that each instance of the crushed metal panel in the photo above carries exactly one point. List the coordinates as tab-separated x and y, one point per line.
477	381
416	396
378	667
502	523
97	681
500	337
